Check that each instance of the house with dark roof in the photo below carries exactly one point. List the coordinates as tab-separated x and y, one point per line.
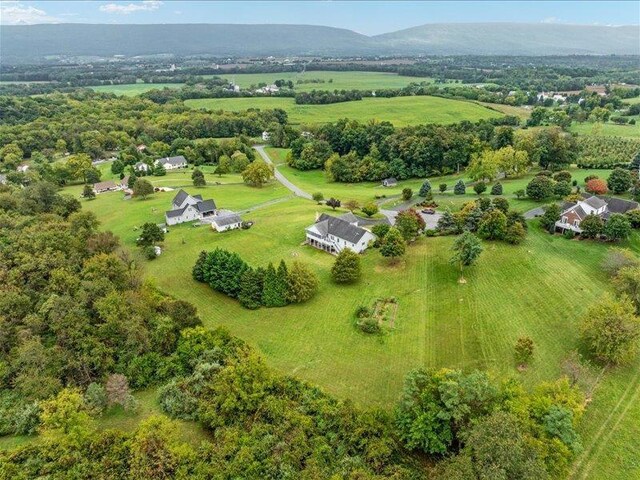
171	163
228	221
189	208
334	234
389	182
573	213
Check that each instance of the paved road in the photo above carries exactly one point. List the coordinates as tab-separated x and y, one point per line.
280	177
536	212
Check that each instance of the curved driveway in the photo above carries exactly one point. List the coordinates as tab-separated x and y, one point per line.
280	177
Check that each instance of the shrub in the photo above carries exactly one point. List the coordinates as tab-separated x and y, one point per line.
346	268
460	188
425	189
480	187
407	193
588	178
524	350
363	311
493	225
562	176
617	227
620	181
370	209
591	226
501	204
617	259
442	187
562	189
550	217
496	189
568	234
369	325
149	252
634	218
515	234
318	197
540	187
333	203
520	193
95	398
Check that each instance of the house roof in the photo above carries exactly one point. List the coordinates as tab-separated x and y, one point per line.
104	185
340	228
124	181
206	206
176	212
180	197
595	202
619	205
349	217
178	160
580	212
140	164
227	220
390	180
197	197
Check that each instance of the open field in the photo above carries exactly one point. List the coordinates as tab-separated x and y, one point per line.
400	111
607	129
134	89
521	112
340	80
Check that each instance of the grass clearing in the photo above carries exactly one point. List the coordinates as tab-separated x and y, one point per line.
133	89
607	129
401	111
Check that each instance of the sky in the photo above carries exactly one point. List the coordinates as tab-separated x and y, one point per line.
369	18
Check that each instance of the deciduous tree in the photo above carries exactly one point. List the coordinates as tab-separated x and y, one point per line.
346	268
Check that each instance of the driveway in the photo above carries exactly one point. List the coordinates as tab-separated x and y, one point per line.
533	213
280	177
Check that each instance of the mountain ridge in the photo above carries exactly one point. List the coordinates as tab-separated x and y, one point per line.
33	42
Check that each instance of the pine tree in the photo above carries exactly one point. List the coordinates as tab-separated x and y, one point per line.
346	268
302	283
251	284
198	268
496	189
274	292
425	189
460	188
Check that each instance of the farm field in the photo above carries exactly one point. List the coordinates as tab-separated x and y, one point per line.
340	80
401	111
520	112
513	291
607	129
133	89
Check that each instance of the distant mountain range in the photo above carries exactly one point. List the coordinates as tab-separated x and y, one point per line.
33	42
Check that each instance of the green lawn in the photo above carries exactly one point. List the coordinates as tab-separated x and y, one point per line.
401	111
315	181
607	129
341	80
134	89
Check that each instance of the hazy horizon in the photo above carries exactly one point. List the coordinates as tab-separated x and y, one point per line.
367	18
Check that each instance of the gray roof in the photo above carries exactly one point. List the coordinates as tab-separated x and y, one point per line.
349	217
390	180
580	212
104	185
178	160
595	202
337	227
619	205
227	220
206	206
176	213
180	197
197	197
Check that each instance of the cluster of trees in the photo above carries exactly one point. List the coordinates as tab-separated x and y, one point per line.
610	329
73	308
490	429
226	272
547	185
351	152
490	219
93	123
324	97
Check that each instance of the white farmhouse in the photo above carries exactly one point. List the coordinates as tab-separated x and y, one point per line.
171	163
334	234
141	167
188	208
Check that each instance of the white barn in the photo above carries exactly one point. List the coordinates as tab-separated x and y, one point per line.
222	223
334	234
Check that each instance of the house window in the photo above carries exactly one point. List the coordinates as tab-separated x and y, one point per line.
576	223
564	219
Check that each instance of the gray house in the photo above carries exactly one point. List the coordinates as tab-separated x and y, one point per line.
171	163
334	234
389	182
222	223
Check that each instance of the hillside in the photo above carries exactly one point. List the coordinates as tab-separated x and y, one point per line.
514	38
25	43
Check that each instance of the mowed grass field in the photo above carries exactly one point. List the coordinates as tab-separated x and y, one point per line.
401	111
339	80
540	289
135	88
607	129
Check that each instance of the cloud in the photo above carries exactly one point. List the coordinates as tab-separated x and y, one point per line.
144	6
16	13
551	20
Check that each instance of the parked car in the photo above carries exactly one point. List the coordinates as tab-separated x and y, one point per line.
428	211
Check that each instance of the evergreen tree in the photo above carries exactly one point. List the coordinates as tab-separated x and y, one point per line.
302	283
223	271
460	188
550	217
274	293
447	223
198	178
199	267
132	181
496	189
88	192
251	285
425	189
346	268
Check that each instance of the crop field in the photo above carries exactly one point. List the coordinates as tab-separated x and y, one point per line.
401	111
607	129
330	80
